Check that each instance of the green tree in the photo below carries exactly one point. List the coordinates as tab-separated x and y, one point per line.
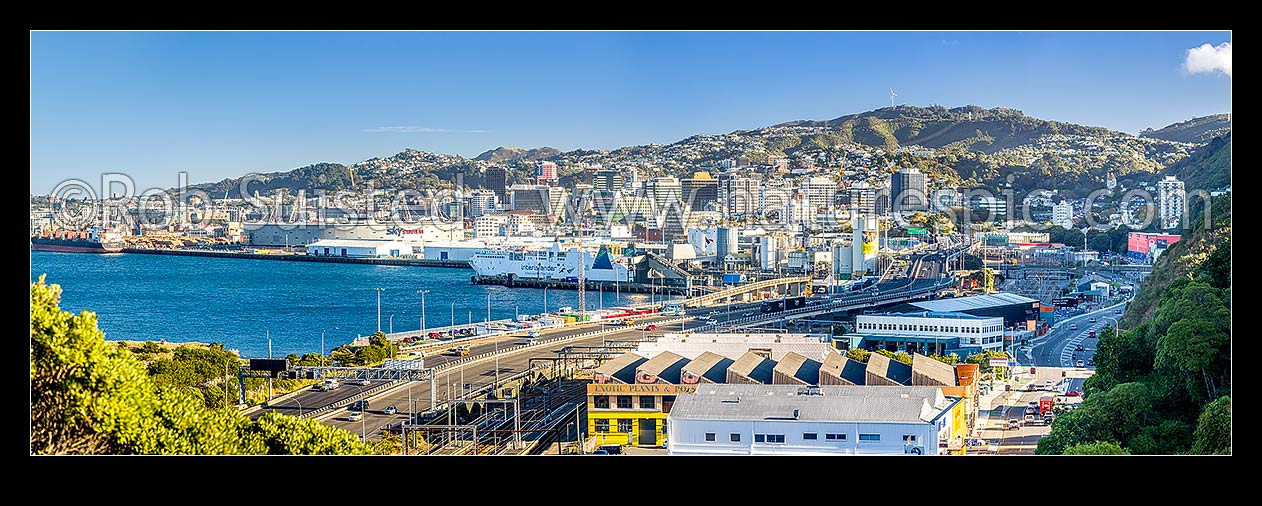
378	339
859	354
88	397
951	359
1096	448
287	435
1213	429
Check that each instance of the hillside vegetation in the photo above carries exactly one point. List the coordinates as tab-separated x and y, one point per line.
1196	130
966	128
1163	384
1208	168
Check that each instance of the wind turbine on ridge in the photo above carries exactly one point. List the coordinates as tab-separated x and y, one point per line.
892	95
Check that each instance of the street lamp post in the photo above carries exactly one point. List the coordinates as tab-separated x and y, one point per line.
545	299
322	344
379	290
392	323
423	292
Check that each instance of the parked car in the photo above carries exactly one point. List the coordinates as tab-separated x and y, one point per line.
1034	404
390	410
1091	334
1080	364
1078	348
610	449
976	442
435	335
600	452
355	416
1014	423
1073	393
651	327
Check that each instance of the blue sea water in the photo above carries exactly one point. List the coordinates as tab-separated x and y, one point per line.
239	302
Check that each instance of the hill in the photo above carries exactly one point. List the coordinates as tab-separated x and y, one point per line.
968	128
1196	130
505	154
1207	168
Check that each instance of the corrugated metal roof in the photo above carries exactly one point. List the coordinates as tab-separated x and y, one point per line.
923	367
710	365
799	367
889	368
935	314
358	243
974	302
621	367
666	366
753	366
837	403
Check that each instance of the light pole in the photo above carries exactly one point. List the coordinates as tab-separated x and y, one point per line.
322	344
392	323
423	292
453	315
545	299
379	290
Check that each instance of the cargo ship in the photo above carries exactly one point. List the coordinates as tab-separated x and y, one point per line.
552	263
96	240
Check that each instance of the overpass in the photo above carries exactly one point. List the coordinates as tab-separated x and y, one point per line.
797	282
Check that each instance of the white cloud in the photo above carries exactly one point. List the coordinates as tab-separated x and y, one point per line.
1209	58
409	129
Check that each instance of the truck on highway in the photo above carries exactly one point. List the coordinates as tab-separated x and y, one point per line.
1046	403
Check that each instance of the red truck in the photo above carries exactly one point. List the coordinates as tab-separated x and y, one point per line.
1045	404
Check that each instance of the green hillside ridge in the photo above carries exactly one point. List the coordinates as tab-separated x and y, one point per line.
1196	130
1208	168
504	154
939	127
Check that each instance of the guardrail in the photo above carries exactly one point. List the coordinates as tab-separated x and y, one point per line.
832	306
536	343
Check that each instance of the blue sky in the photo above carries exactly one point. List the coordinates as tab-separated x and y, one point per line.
221	104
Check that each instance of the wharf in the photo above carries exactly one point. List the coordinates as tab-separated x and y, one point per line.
417	262
555	284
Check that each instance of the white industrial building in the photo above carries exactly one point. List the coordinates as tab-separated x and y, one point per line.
734	345
358	248
971	331
739	419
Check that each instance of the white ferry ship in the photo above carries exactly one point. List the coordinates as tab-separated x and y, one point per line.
552	263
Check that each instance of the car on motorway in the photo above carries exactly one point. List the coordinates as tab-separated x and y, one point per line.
360	405
1080	363
459	351
363	382
390	410
355	416
651	327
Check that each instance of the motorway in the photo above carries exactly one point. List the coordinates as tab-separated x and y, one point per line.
1057	347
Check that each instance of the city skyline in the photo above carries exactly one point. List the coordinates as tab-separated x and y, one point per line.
222	104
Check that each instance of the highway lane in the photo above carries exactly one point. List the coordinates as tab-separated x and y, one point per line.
1057	347
451	381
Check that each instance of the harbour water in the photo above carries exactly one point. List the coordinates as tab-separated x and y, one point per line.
239	302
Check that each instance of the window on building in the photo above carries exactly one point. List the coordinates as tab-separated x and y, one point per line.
775	438
602	425
709	436
835	437
735	437
760	438
600	402
646	402
869	437
911	438
624	425
624	402
809	435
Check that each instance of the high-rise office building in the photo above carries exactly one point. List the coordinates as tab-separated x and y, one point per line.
908	191
738	195
546	173
819	191
700	190
664	191
1063	214
497	181
608	181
